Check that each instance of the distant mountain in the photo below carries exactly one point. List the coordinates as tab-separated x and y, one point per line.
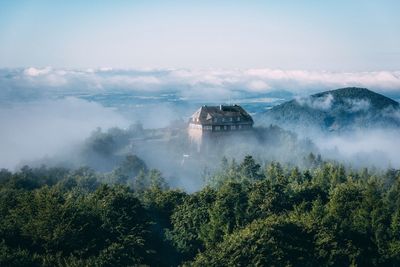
337	110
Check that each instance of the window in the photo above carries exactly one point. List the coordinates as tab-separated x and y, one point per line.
195	126
225	127
230	119
217	128
215	120
223	119
240	126
233	127
238	118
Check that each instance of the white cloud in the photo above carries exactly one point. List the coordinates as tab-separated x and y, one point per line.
321	103
258	85
358	104
33	130
33	72
380	79
377	148
299	82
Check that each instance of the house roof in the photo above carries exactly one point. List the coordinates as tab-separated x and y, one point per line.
207	114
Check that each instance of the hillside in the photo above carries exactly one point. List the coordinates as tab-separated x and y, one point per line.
336	110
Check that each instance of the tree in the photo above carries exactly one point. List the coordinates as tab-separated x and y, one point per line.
160	206
128	169
190	223
271	242
227	213
249	169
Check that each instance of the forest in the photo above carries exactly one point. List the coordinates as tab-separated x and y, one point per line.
249	213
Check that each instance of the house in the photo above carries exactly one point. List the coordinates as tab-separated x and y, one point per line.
217	121
221	118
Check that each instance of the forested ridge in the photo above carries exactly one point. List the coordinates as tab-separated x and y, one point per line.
248	214
340	110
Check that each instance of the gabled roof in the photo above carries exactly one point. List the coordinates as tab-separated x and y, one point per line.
207	114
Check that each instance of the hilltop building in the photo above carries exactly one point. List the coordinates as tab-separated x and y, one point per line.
221	118
217	121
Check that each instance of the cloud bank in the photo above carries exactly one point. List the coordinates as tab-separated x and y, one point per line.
378	148
43	111
30	131
202	84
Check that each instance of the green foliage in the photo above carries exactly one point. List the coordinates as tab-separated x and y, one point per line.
190	222
227	213
274	241
126	172
249	169
51	226
249	214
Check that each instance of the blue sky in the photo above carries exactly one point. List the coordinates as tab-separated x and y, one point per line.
307	35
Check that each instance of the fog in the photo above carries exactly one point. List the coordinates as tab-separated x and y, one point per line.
50	116
322	103
362	148
46	128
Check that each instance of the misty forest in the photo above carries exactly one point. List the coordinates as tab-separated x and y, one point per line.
248	213
266	196
199	133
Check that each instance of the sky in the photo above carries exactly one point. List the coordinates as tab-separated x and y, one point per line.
343	35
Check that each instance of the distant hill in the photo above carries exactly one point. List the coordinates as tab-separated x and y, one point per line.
336	110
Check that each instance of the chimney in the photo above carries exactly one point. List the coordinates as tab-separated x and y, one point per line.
220	107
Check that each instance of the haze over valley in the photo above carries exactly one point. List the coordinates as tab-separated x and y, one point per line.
199	133
60	109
